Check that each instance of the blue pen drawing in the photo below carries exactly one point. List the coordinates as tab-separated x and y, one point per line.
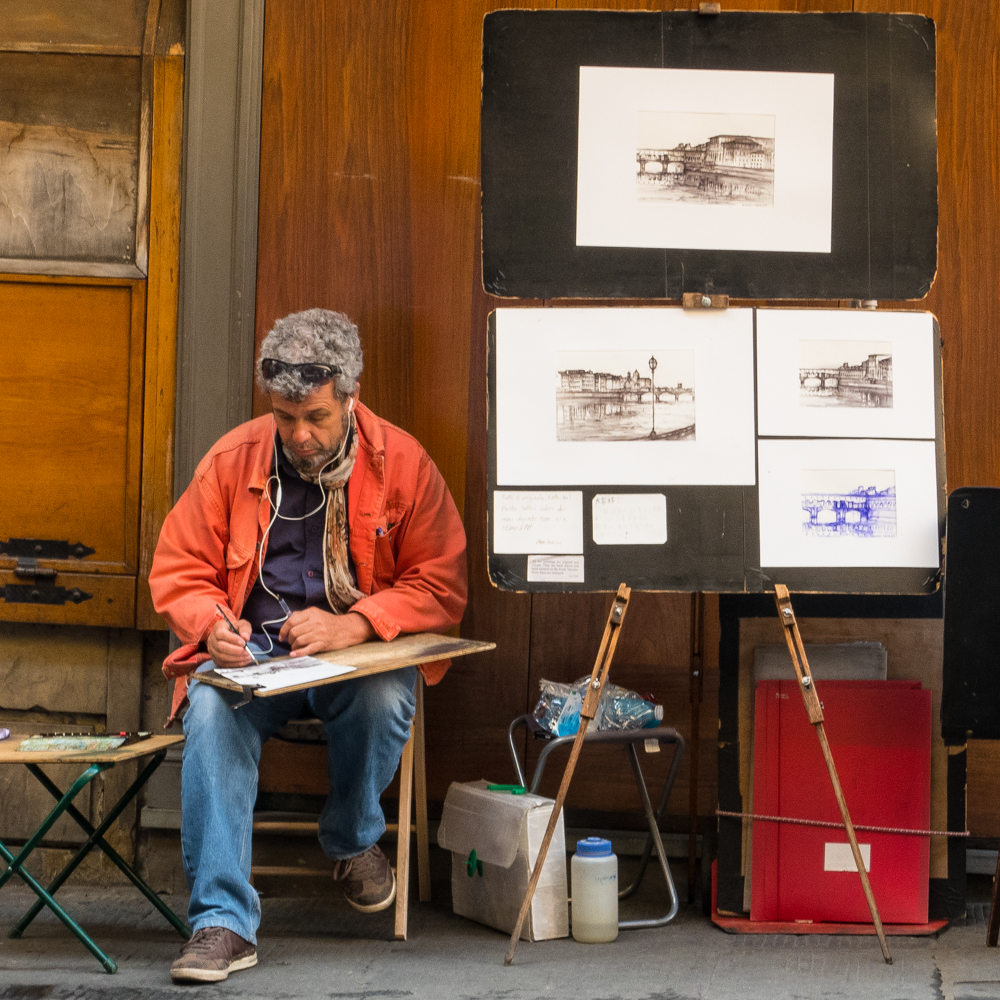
705	158
854	373
625	395
849	503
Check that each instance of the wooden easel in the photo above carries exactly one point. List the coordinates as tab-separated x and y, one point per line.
815	712
598	677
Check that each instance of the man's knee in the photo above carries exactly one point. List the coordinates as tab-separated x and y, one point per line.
207	706
380	697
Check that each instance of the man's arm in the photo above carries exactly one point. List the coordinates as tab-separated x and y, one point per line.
188	576
429	587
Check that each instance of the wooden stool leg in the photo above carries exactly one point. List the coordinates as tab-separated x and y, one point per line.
420	793
403	837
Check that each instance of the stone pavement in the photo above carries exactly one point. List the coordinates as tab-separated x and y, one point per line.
317	946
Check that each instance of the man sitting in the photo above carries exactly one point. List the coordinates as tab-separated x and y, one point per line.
313	528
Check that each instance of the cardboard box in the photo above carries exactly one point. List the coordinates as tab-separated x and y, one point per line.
506	833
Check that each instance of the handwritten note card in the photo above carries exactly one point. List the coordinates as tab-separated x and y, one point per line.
630	518
555	569
537	521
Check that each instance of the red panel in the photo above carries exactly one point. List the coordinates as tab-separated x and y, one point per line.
879	732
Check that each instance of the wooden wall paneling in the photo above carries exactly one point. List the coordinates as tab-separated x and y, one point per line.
469	711
334	221
161	315
443	94
965	295
982	801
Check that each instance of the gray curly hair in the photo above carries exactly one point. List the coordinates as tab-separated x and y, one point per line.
317	336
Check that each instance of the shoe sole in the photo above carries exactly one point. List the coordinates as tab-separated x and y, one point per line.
213	975
375	907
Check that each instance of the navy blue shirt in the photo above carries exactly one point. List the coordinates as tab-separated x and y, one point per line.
293	561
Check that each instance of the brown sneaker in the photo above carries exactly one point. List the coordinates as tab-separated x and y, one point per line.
369	881
211	954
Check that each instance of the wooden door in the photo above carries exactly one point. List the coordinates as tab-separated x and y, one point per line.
71	353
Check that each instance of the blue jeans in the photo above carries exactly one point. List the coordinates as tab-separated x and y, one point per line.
367	723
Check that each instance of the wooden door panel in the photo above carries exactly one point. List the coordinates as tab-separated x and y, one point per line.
71	422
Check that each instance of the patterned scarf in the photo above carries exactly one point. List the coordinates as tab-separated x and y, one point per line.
340	591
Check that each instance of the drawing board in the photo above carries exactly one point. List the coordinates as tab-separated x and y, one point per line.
715	468
759	155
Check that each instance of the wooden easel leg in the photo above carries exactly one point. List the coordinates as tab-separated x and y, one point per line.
403	838
815	712
993	927
420	794
598	677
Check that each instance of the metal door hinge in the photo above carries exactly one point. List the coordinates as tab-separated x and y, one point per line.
43	593
44	548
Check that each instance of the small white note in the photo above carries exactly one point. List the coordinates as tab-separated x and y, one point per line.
537	521
630	518
840	857
555	569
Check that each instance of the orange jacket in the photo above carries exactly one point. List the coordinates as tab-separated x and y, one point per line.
412	574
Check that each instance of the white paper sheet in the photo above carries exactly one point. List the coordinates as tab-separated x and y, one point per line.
555	569
798	478
274	674
537	521
629	518
800	354
712	348
759	120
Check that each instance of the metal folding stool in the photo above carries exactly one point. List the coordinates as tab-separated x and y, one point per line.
627	738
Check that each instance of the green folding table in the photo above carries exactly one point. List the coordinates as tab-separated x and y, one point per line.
97	762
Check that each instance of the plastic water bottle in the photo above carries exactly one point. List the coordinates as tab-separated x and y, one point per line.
594	872
631	713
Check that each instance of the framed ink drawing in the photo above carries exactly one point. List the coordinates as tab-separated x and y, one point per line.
759	155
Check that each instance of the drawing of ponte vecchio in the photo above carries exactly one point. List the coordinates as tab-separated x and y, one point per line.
726	169
627	406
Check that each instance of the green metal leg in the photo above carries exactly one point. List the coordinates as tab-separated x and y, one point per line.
63	803
15	866
96	839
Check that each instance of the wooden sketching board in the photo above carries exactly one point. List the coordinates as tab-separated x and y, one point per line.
9	754
374	657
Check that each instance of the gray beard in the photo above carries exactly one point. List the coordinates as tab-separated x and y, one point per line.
309	469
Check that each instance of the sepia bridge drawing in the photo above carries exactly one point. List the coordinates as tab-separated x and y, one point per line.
725	168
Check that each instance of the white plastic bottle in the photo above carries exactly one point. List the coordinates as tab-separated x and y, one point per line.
594	872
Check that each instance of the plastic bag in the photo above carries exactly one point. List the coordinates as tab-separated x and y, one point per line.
558	708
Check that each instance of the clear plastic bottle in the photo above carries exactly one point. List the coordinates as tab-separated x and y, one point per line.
594	874
631	713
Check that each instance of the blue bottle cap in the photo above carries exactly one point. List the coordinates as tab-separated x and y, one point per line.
593	847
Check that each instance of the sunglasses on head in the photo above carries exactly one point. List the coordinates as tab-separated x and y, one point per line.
311	374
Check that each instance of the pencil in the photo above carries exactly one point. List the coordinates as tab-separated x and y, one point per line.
236	631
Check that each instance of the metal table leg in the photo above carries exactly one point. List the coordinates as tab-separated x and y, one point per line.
96	839
15	865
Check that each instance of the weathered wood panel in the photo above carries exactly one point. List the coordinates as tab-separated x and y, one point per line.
334	226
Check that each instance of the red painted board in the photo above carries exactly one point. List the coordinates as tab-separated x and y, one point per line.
744	925
879	733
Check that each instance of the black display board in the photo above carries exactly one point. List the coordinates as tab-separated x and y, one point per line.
884	209
713	542
970	700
